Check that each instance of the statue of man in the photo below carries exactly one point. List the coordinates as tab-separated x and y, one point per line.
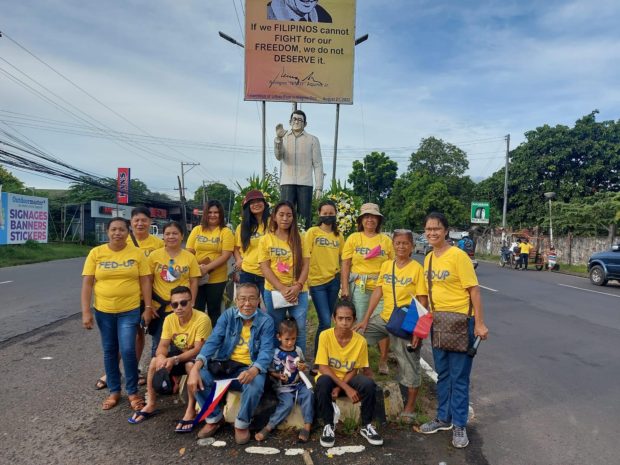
300	155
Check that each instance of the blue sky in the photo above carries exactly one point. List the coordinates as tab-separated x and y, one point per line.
468	72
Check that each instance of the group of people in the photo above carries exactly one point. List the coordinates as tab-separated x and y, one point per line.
355	286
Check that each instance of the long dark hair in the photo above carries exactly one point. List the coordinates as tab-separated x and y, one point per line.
204	222
333	204
294	238
249	225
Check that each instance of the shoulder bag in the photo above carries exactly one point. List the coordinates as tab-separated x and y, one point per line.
395	323
450	329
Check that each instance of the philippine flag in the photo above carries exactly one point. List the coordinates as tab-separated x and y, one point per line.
217	393
414	312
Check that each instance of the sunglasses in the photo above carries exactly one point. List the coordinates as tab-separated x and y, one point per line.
180	303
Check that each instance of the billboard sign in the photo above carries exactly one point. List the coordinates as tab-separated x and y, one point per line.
109	210
23	218
480	212
300	50
122	185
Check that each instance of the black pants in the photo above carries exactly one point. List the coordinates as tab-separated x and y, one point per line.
210	297
365	387
301	196
525	257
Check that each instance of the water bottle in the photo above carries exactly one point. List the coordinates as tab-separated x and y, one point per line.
474	349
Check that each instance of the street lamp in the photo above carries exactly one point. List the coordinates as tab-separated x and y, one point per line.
549	196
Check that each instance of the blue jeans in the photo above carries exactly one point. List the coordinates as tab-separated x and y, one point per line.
118	333
324	299
453	370
286	401
245	277
250	396
299	312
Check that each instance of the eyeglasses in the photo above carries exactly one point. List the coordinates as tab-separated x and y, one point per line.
180	303
243	300
301	120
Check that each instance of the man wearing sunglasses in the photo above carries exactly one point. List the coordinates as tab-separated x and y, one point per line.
240	347
300	155
184	332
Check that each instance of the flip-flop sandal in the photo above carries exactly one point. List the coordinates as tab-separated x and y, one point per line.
407	417
100	384
265	432
144	415
304	436
183	423
110	402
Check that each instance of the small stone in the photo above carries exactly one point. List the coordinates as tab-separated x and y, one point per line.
206	441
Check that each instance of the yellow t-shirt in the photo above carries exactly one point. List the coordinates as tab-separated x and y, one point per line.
184	265
241	352
341	359
325	249
198	328
147	245
526	247
278	251
409	282
358	245
250	255
211	244
452	274
117	282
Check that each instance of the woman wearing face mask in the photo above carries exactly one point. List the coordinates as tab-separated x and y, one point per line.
324	244
171	266
284	262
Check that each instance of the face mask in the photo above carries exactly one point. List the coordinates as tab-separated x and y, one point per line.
329	220
248	317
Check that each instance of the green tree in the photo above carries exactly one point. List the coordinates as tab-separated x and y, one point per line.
104	190
216	191
10	183
373	178
591	215
438	158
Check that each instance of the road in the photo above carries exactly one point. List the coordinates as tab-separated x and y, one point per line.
544	385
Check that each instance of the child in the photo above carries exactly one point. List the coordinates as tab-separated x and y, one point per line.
341	354
288	361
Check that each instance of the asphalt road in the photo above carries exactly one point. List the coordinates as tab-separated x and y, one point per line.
544	385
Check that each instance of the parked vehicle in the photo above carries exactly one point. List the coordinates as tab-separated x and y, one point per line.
507	257
421	245
603	266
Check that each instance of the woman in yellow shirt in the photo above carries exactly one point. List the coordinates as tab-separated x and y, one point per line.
116	274
454	287
213	244
284	262
400	279
324	244
254	224
364	253
171	266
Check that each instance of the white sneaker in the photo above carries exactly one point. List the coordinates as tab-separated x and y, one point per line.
371	435
328	438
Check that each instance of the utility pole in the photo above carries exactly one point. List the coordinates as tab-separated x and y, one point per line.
505	188
182	191
204	194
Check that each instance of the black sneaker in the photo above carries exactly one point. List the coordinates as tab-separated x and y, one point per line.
328	438
371	435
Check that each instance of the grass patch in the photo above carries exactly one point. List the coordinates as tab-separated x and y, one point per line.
33	252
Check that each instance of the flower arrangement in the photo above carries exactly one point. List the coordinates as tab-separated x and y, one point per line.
270	187
347	207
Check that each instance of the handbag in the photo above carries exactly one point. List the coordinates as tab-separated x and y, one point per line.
450	329
397	318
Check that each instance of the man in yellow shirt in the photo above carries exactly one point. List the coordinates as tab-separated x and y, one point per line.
341	355
240	347
524	257
185	331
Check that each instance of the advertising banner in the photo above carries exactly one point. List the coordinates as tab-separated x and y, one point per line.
480	212
300	50
122	185
109	210
23	218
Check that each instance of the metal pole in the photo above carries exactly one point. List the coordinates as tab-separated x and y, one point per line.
264	140
204	194
550	225
505	207
336	143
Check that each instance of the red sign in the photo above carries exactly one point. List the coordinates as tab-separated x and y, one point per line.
122	185
159	213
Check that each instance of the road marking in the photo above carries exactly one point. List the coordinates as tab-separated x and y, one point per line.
590	290
487	288
6	282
